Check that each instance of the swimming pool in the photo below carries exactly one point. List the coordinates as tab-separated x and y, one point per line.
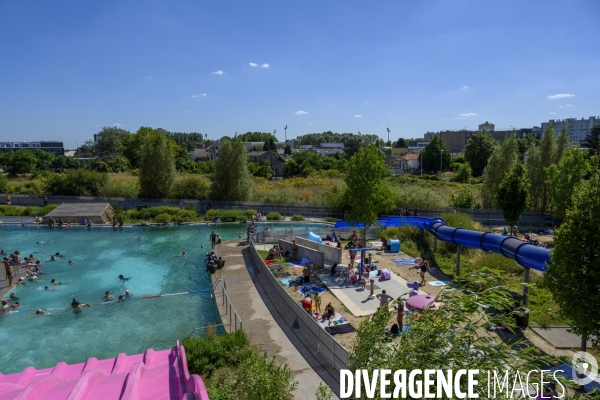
100	254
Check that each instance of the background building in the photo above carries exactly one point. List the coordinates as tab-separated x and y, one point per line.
578	128
53	147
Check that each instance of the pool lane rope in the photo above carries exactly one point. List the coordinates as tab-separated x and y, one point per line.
154	296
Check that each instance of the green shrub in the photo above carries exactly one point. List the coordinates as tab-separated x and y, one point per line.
464	173
331	220
190	187
3	183
460	220
79	182
464	198
415	196
274	216
298	217
121	189
17	211
158	213
206	354
230	215
500	263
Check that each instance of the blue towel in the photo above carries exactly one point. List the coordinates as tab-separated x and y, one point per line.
403	261
287	281
312	289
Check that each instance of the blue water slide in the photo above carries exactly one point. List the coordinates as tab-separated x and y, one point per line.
525	254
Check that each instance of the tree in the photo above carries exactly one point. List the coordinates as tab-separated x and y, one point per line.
525	144
574	275
64	163
232	180
401	143
463	175
87	148
502	161
430	156
157	167
548	152
453	337
564	178
287	150
592	140
513	195
43	160
257	137
109	141
367	194
478	151
21	162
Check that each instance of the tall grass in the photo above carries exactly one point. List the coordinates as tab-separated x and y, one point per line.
29	211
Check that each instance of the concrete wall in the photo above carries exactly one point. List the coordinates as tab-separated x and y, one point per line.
331	254
314	256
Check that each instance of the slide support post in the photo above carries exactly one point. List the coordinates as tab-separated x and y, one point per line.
458	260
526	288
434	244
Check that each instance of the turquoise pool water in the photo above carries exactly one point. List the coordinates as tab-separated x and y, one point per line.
154	265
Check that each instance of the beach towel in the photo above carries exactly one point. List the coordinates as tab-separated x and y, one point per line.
335	329
275	267
330	243
304	261
339	319
401	262
269	262
287	281
294	265
310	290
314	237
439	283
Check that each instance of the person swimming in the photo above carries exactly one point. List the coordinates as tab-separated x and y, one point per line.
128	294
13	296
76	306
122	278
52	258
40	312
108	296
183	254
121	299
53	281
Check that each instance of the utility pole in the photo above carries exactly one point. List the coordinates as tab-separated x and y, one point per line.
441	154
285	129
388	129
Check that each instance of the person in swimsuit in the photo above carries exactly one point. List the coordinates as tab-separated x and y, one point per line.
77	306
318	302
108	297
400	316
384	298
424	267
307	304
329	312
128	294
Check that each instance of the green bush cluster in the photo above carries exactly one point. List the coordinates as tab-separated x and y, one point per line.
191	187
231	368
298	217
79	182
16	211
230	215
160	213
120	189
415	196
274	216
331	220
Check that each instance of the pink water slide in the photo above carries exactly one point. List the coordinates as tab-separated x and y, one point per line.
155	375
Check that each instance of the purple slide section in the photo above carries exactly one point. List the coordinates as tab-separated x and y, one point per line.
153	375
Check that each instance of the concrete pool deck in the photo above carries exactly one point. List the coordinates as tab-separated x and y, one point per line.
357	300
257	321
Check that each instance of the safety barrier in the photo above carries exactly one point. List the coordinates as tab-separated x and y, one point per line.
226	310
330	355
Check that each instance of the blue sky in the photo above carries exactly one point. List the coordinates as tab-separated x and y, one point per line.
70	67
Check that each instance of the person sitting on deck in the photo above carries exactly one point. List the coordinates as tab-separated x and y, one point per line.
329	312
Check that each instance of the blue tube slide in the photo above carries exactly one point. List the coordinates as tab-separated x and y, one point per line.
525	254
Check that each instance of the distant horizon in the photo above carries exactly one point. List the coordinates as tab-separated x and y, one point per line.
71	68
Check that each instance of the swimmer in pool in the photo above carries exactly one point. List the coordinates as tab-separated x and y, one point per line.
13	297
21	281
122	278
75	305
41	242
53	281
108	296
121	299
52	258
183	254
128	294
5	306
41	313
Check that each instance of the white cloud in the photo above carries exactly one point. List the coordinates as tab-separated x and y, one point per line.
253	64
560	96
117	124
569	105
219	72
265	65
300	112
467	115
552	113
199	95
459	118
148	77
465	87
358	116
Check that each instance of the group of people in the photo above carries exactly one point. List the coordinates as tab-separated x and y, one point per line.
407	212
312	305
13	263
61	223
213	263
215	239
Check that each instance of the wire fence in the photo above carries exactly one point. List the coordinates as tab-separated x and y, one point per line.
329	354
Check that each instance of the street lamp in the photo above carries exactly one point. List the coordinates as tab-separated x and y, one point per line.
441	154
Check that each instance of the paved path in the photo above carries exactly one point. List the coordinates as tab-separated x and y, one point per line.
258	322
